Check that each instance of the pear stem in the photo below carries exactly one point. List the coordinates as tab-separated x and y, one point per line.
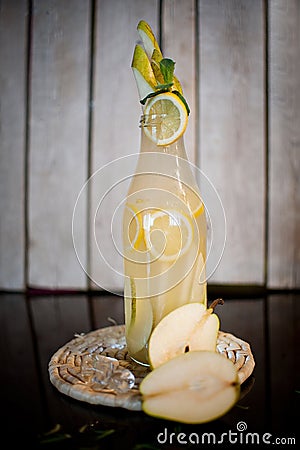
218	301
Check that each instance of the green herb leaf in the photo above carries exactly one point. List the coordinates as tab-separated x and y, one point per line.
57	437
56	428
103	434
153	94
167	69
183	100
165	87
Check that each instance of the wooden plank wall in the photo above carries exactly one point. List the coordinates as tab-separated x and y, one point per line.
13	61
69	105
232	105
284	144
59	95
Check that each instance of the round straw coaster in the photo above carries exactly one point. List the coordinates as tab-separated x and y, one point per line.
108	345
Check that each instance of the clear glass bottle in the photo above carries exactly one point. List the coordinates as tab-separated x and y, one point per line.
164	239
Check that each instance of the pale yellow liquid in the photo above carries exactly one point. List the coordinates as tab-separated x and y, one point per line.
164	235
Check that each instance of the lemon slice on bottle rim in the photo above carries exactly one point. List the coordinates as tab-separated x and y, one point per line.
165	118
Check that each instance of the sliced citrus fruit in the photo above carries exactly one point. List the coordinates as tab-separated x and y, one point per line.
195	203
135	227
166	118
198	211
168	234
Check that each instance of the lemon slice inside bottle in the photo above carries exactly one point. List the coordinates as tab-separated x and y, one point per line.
166	118
135	227
168	234
200	210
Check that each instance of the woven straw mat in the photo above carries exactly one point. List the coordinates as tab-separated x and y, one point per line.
110	342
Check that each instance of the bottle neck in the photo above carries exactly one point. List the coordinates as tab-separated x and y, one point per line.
177	148
168	162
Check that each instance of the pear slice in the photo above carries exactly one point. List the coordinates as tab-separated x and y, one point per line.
154	53
149	41
140	326
139	320
155	60
195	387
143	72
190	327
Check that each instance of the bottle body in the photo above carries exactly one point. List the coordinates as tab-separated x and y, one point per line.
164	239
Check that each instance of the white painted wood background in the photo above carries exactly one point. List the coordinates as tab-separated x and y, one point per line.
69	105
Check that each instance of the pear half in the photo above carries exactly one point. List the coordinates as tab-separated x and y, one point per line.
195	387
190	327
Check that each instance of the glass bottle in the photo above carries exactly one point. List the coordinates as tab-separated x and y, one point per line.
164	239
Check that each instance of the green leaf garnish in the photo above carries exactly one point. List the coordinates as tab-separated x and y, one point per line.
103	434
167	66
153	94
165	87
183	100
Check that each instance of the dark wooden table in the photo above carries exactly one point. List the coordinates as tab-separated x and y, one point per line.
33	327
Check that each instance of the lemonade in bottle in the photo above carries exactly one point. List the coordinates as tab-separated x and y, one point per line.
164	223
